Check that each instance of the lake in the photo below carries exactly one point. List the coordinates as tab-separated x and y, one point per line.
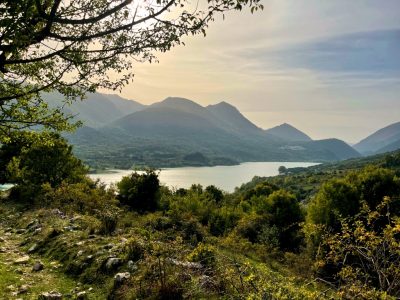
224	177
4	187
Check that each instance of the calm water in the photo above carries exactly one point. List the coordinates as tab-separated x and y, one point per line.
4	187
224	177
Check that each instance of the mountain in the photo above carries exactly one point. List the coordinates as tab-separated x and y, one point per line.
98	109
334	149
288	133
391	147
379	140
173	117
180	132
232	120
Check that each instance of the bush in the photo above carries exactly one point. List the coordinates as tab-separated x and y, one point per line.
285	215
140	192
336	198
204	254
214	193
84	197
366	253
48	159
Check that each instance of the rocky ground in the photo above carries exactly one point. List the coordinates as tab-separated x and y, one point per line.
24	275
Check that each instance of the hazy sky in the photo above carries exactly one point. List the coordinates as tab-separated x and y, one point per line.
330	68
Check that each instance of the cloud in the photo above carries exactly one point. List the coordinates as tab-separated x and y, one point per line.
366	54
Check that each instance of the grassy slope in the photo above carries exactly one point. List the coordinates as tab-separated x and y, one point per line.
65	244
61	256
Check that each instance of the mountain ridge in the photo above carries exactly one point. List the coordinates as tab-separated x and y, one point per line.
378	140
177	131
288	132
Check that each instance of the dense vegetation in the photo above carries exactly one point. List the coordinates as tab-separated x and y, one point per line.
330	231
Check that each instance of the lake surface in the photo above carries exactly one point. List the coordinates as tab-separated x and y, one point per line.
224	177
4	187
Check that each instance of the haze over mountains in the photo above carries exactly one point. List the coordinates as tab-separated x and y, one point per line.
177	131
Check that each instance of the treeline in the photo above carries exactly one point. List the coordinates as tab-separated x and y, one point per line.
340	228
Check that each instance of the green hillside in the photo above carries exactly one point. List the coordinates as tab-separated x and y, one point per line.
273	238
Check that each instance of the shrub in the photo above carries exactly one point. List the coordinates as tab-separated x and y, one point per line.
84	197
134	249
214	193
140	191
204	254
336	198
44	161
285	214
366	253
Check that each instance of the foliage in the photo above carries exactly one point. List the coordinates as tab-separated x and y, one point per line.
140	191
72	47
191	245
367	252
336	198
40	162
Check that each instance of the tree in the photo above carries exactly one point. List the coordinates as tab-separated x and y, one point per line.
337	198
141	192
47	160
72	47
285	215
282	170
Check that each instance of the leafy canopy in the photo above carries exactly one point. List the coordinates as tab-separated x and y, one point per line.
74	47
47	158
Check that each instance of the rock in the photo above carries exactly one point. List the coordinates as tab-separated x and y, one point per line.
38	266
2	240
33	248
59	213
37	230
22	260
3	250
19	231
31	223
10	287
120	278
34	227
185	264
113	262
50	296
109	246
89	258
81	295
68	228
124	240
80	243
23	289
91	236
80	252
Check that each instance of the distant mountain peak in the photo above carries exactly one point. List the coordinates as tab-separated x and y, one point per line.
178	103
288	132
223	105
